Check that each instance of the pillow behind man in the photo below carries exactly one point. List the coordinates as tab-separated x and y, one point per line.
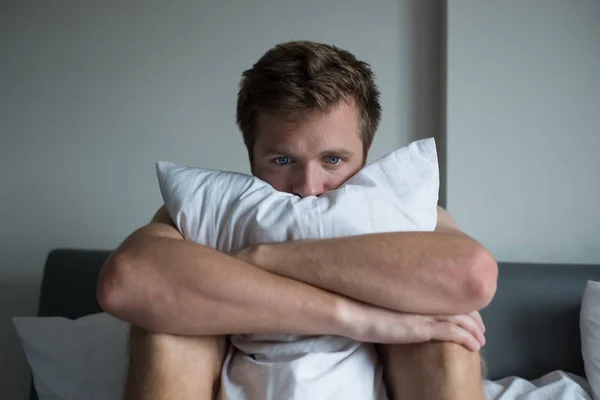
229	211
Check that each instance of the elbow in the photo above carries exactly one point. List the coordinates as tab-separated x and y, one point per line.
112	286
482	278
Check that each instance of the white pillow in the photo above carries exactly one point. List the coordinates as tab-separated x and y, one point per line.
589	322
75	359
230	211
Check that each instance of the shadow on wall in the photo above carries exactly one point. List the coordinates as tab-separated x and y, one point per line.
424	32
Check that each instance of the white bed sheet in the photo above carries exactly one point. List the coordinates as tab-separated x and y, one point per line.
86	358
557	385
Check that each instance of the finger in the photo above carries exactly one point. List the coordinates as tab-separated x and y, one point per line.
473	324
450	332
477	317
469	324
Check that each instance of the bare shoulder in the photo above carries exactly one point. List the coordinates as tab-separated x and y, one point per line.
445	222
162	224
162	217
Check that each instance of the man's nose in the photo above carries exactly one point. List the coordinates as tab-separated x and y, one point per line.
309	181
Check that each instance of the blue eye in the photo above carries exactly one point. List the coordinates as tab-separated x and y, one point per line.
282	160
334	160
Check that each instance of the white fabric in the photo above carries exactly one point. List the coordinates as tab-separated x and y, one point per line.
589	323
230	211
86	359
75	359
556	385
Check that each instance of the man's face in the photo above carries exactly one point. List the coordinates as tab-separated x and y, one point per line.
311	156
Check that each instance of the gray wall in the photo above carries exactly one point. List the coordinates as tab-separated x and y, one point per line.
92	93
523	126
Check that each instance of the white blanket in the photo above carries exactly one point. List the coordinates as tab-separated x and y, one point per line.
556	385
86	358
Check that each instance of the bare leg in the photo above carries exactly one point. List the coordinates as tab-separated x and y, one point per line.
165	367
432	371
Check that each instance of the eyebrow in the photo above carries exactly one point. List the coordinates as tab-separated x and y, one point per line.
340	152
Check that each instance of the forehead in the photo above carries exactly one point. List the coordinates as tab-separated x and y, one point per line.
338	128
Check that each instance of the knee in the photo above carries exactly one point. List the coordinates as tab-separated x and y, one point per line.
442	354
140	335
452	354
184	346
449	350
455	359
432	370
155	344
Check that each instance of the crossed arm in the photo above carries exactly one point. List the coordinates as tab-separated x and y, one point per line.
441	272
160	282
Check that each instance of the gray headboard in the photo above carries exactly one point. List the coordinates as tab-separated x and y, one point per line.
532	323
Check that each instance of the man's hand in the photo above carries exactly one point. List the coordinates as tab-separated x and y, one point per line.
366	323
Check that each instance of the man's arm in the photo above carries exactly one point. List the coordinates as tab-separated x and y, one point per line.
441	272
162	283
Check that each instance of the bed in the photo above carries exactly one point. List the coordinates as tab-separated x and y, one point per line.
532	323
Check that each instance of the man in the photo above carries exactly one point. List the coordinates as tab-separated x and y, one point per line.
308	113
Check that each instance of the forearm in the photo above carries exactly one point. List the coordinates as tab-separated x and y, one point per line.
174	286
417	272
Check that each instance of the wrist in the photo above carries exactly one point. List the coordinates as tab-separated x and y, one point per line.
346	319
248	255
260	255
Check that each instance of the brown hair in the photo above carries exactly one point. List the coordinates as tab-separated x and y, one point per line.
300	77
